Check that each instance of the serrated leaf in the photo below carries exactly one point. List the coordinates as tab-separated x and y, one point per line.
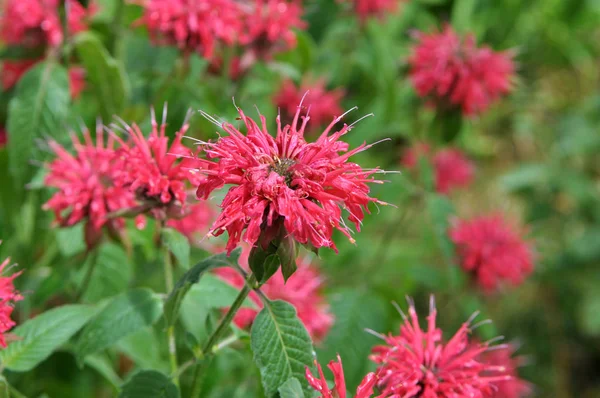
39	108
105	74
192	276
125	314
178	245
353	311
112	274
149	384
42	335
281	345
291	389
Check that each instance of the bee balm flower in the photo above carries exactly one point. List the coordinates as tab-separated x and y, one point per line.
285	182
514	387
364	390
419	363
8	296
492	251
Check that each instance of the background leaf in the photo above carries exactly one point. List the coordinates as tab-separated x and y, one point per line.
291	389
178	245
149	384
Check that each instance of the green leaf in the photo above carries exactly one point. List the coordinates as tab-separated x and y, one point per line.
192	276
263	263
39	108
462	14
70	240
287	253
103	366
42	335
353	311
106	75
4	388
178	245
143	347
149	384
281	345
123	315
112	274
291	389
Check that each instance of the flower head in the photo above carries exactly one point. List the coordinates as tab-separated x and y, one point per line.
8	296
302	290
285	182
155	171
193	25
492	251
364	390
269	26
86	183
514	387
198	218
323	105
452	71
419	363
31	23
374	8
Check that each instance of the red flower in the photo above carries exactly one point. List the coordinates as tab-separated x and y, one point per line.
76	81
323	105
32	23
156	172
453	71
86	183
12	71
490	249
374	8
269	26
452	168
3	137
198	218
193	25
364	390
419	363
8	297
302	290
513	387
285	181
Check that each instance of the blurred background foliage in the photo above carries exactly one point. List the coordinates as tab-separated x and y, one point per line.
536	153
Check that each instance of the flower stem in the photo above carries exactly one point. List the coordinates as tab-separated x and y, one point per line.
88	274
168	268
208	349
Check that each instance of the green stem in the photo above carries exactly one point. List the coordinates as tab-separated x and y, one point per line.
171	343
208	349
88	275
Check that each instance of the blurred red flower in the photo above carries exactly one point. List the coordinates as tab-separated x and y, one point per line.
76	81
450	70
513	387
323	105
8	297
12	71
197	218
452	168
374	8
364	390
302	290
418	363
492	251
3	137
285	182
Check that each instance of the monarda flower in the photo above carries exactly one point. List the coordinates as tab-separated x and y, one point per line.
513	387
193	25
366	9
86	183
419	363
155	171
452	71
8	297
33	23
451	167
270	26
194	221
302	290
285	182
492	251
364	390
321	104
3	137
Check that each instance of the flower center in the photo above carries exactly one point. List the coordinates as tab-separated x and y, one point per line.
281	167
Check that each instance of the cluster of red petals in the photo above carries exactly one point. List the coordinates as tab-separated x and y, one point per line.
8	296
364	390
302	290
452	168
323	105
32	23
513	387
155	171
418	363
197	218
86	183
492	250
3	137
374	8
285	181
450	70
193	25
